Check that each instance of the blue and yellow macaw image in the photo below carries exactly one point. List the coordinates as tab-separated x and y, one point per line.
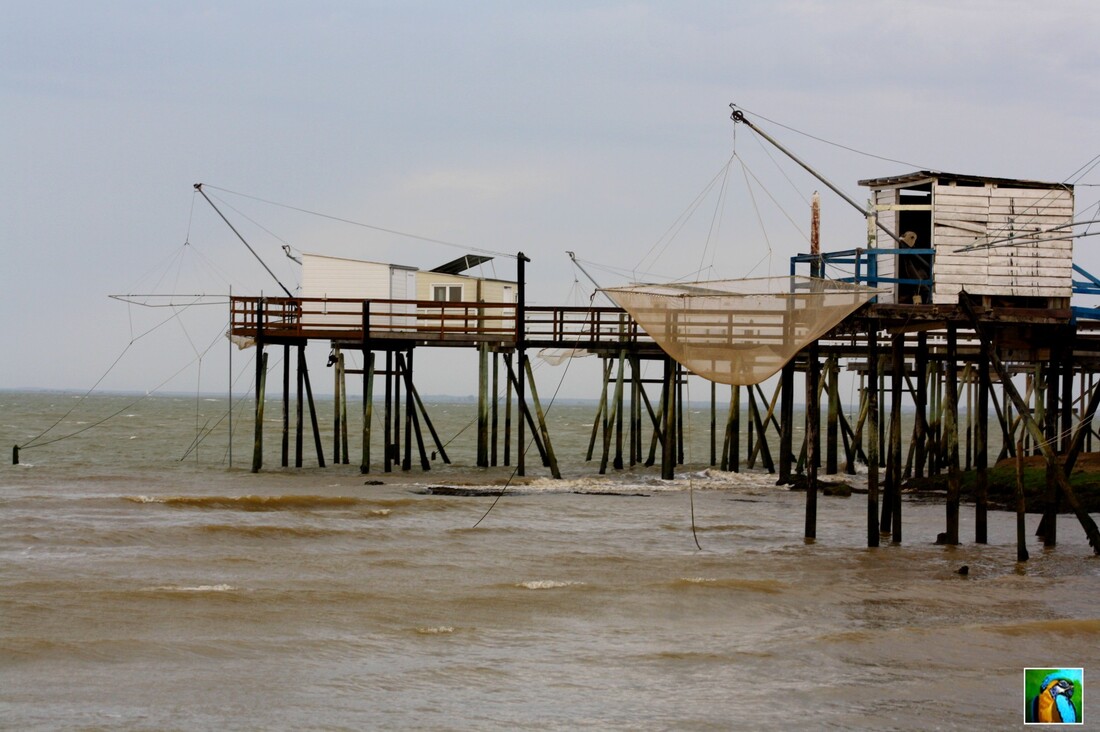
1054	696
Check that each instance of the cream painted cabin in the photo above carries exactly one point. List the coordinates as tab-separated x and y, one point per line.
1029	260
326	278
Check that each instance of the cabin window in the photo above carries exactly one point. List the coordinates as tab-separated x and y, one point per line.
447	293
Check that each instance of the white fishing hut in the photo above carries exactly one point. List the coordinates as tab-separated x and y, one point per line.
332	287
1006	241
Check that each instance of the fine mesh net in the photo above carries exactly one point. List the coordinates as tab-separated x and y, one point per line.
739	331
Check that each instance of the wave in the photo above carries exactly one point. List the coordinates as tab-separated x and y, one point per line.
766	586
1069	627
546	584
191	589
437	630
251	502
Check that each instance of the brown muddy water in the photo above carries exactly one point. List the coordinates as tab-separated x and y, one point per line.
139	591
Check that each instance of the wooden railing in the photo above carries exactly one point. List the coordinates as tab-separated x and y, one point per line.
426	320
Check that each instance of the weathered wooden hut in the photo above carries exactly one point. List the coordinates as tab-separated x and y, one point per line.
1003	240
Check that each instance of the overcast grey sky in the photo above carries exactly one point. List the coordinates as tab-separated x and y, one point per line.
505	126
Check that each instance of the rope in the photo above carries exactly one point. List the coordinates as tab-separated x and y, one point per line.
691	481
33	442
531	441
361	224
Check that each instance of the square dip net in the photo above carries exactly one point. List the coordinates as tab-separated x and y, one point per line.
739	331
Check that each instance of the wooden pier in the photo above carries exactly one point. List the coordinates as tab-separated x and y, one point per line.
941	340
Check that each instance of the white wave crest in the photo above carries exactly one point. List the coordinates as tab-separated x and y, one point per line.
546	584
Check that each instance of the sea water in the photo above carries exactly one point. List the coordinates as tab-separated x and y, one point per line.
149	585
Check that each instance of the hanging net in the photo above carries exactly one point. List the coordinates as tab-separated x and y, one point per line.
739	331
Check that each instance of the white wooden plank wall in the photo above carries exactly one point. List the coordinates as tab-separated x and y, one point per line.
965	215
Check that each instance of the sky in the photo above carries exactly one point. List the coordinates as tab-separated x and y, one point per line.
601	128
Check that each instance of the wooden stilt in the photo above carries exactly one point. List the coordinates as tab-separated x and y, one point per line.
299	413
951	427
833	419
618	412
601	409
813	420
368	388
508	411
891	508
284	450
668	454
368	409
312	407
873	531
786	423
1091	530
543	430
981	448
387	417
261	384
483	405
1021	507
336	385
495	413
410	406
920	399
343	409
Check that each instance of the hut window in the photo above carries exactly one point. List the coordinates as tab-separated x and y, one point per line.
447	293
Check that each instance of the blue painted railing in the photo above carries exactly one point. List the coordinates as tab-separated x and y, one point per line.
863	265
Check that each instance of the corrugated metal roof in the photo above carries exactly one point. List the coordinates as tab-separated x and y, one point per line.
924	176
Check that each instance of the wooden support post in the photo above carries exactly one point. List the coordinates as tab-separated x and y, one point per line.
543	430
387	417
813	424
299	414
951	427
261	384
336	409
410	405
368	387
1091	530
873	532
312	407
439	446
483	405
786	423
368	408
1049	420
601	408
508	411
833	420
891	510
731	448
284	451
618	461
343	408
981	448
678	383
404	368
713	424
750	444
495	415
525	417
762	440
668	442
657	419
635	411
1021	506
920	398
